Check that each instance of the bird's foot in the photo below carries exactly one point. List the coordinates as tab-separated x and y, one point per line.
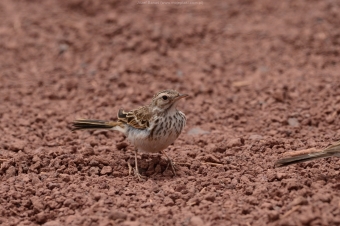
138	175
172	165
135	172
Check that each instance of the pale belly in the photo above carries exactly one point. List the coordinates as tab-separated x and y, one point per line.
140	139
159	135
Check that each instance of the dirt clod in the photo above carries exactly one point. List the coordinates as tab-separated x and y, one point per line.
106	170
196	221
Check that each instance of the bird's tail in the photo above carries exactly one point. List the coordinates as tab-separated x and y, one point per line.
82	124
333	150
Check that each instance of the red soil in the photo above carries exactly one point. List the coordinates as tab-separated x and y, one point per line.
263	77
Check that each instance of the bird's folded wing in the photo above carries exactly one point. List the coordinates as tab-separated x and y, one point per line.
138	118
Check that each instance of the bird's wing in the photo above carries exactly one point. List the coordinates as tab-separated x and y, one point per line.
301	158
138	118
332	150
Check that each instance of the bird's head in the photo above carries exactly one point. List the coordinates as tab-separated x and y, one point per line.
166	100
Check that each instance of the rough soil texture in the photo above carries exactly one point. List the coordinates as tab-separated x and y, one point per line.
263	78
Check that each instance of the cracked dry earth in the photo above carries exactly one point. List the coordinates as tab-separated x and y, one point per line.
263	79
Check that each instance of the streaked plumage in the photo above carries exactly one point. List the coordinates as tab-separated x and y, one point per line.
149	128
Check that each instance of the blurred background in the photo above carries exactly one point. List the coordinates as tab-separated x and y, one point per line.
78	56
263	78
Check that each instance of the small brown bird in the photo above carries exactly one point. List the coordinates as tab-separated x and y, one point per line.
330	151
149	128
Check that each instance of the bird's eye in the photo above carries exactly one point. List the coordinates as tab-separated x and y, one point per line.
165	97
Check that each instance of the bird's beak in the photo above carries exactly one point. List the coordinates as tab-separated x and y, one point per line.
181	96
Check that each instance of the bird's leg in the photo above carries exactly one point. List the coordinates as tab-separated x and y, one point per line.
129	165
170	163
137	174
